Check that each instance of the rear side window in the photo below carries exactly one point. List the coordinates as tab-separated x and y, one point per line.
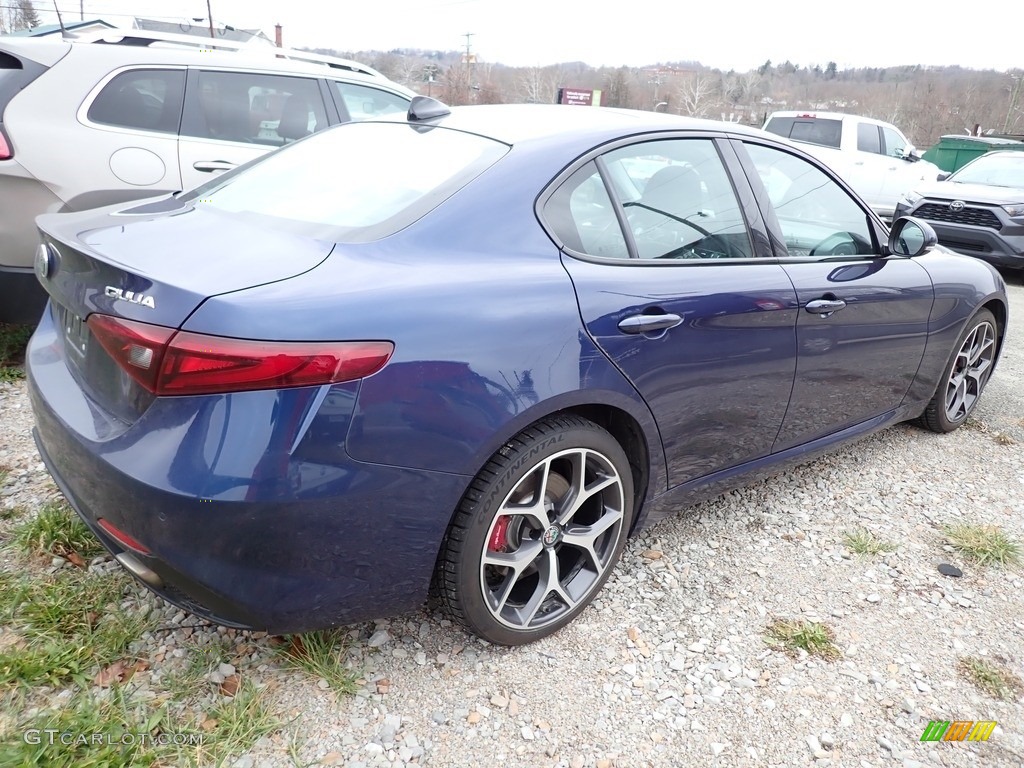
146	99
255	108
814	130
827	133
867	138
355	183
364	103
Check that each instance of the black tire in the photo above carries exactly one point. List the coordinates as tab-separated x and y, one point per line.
548	572
958	393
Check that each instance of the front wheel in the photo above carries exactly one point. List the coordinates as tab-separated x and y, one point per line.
538	532
965	375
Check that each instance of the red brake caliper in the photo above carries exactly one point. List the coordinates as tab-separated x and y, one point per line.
499	536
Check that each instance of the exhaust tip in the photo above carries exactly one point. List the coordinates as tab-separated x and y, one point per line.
132	564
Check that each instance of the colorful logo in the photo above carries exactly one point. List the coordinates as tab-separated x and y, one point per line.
958	730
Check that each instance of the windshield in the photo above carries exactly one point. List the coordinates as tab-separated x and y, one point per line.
353	183
996	169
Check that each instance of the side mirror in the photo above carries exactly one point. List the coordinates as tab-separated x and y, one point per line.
943	176
909	153
911	237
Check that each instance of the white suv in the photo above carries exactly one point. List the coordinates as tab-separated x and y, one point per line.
872	156
125	114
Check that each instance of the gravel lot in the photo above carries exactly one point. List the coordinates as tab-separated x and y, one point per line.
670	666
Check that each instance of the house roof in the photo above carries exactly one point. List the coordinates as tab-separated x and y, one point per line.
54	29
200	30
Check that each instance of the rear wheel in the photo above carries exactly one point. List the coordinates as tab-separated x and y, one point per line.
538	532
965	375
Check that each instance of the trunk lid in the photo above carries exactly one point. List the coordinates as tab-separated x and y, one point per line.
153	263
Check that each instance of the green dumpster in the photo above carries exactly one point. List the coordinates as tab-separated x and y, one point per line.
953	152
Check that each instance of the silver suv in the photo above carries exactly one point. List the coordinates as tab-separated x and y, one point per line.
125	114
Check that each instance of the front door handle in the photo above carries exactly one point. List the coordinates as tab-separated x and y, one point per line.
649	323
212	166
824	307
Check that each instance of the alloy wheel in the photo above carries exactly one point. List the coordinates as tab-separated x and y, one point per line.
970	371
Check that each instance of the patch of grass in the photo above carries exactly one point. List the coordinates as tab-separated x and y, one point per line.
191	681
985	544
13	340
102	731
66	626
57	531
234	725
990	677
9	513
815	638
320	654
1003	439
864	542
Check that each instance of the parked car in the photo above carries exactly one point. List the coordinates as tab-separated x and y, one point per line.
953	152
479	347
127	114
979	210
873	156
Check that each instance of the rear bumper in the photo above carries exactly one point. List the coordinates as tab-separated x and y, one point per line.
254	513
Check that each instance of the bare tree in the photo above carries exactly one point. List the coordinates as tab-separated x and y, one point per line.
22	16
536	85
695	95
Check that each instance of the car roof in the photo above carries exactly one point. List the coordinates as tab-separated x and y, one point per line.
133	47
517	123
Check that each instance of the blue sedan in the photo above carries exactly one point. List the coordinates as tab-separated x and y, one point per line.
471	351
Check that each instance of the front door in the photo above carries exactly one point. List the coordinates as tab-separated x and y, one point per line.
863	318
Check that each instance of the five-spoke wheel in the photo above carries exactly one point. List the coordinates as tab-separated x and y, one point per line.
965	375
539	532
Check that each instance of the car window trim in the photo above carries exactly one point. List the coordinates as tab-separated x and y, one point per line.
83	110
720	140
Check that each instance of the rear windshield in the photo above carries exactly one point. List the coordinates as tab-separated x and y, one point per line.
353	183
814	130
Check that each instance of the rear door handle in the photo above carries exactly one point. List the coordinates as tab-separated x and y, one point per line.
211	166
649	323
824	307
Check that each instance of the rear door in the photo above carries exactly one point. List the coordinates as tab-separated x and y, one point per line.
863	318
232	117
678	287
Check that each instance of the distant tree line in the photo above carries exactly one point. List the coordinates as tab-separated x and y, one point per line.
924	102
18	15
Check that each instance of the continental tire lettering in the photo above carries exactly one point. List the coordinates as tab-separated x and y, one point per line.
540	447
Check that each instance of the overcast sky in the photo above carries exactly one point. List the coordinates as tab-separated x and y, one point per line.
741	34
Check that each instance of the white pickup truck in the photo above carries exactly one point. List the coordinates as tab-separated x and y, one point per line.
872	156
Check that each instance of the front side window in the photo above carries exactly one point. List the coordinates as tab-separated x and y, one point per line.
145	99
255	108
355	183
894	143
364	103
817	216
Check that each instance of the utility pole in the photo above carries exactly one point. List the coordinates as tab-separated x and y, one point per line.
469	68
209	15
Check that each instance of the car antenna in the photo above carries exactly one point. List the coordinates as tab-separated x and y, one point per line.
60	20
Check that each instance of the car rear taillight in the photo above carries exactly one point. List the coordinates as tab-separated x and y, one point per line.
6	153
169	362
